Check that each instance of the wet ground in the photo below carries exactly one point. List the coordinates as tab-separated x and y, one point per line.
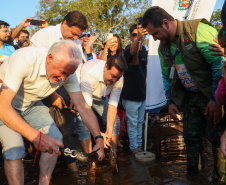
169	169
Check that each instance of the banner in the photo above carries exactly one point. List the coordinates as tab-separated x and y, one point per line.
181	10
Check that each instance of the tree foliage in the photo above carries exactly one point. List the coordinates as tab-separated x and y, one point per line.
216	19
104	16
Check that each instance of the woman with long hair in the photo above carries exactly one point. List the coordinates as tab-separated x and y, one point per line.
111	47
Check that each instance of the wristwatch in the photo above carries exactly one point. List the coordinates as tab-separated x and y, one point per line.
97	137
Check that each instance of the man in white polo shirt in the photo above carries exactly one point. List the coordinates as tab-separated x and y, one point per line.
31	75
99	78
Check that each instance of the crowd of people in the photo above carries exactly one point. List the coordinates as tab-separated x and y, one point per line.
56	67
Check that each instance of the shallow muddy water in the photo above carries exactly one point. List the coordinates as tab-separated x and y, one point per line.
169	169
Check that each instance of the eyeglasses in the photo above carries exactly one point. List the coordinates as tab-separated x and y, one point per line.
6	31
134	34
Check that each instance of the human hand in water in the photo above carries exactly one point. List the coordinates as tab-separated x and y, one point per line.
107	139
99	145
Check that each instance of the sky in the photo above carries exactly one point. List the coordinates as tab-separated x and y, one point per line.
15	11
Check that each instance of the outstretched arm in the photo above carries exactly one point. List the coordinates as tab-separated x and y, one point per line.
135	46
16	30
89	119
111	117
104	53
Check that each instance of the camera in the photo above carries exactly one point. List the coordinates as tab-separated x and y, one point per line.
36	22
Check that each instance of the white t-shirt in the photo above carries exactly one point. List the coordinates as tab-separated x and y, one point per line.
46	37
26	75
92	83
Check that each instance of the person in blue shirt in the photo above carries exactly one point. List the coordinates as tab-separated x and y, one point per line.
5	49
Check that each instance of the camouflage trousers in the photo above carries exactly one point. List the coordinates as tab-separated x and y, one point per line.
197	126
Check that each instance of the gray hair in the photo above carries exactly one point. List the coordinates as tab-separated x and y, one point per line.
66	50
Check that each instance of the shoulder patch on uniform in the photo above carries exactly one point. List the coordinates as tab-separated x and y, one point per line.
186	39
189	46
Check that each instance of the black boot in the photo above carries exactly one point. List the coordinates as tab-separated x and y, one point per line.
215	159
202	155
192	158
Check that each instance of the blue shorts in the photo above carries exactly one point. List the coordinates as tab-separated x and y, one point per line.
100	107
36	116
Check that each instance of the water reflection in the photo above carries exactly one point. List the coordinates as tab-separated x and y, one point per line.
170	169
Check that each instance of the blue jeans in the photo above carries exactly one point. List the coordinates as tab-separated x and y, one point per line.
135	111
36	116
100	107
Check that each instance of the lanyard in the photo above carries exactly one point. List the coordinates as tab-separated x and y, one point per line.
175	54
172	70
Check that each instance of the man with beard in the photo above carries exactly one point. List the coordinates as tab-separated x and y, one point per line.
191	75
22	39
98	79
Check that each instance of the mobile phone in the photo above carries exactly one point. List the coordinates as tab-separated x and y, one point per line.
139	20
36	22
109	36
92	38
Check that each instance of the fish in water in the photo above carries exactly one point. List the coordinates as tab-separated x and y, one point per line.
81	156
114	162
84	157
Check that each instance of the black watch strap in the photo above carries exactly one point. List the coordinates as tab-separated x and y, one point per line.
97	137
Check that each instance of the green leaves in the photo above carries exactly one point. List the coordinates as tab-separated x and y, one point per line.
216	19
104	16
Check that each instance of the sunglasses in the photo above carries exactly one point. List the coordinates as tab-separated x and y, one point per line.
134	34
